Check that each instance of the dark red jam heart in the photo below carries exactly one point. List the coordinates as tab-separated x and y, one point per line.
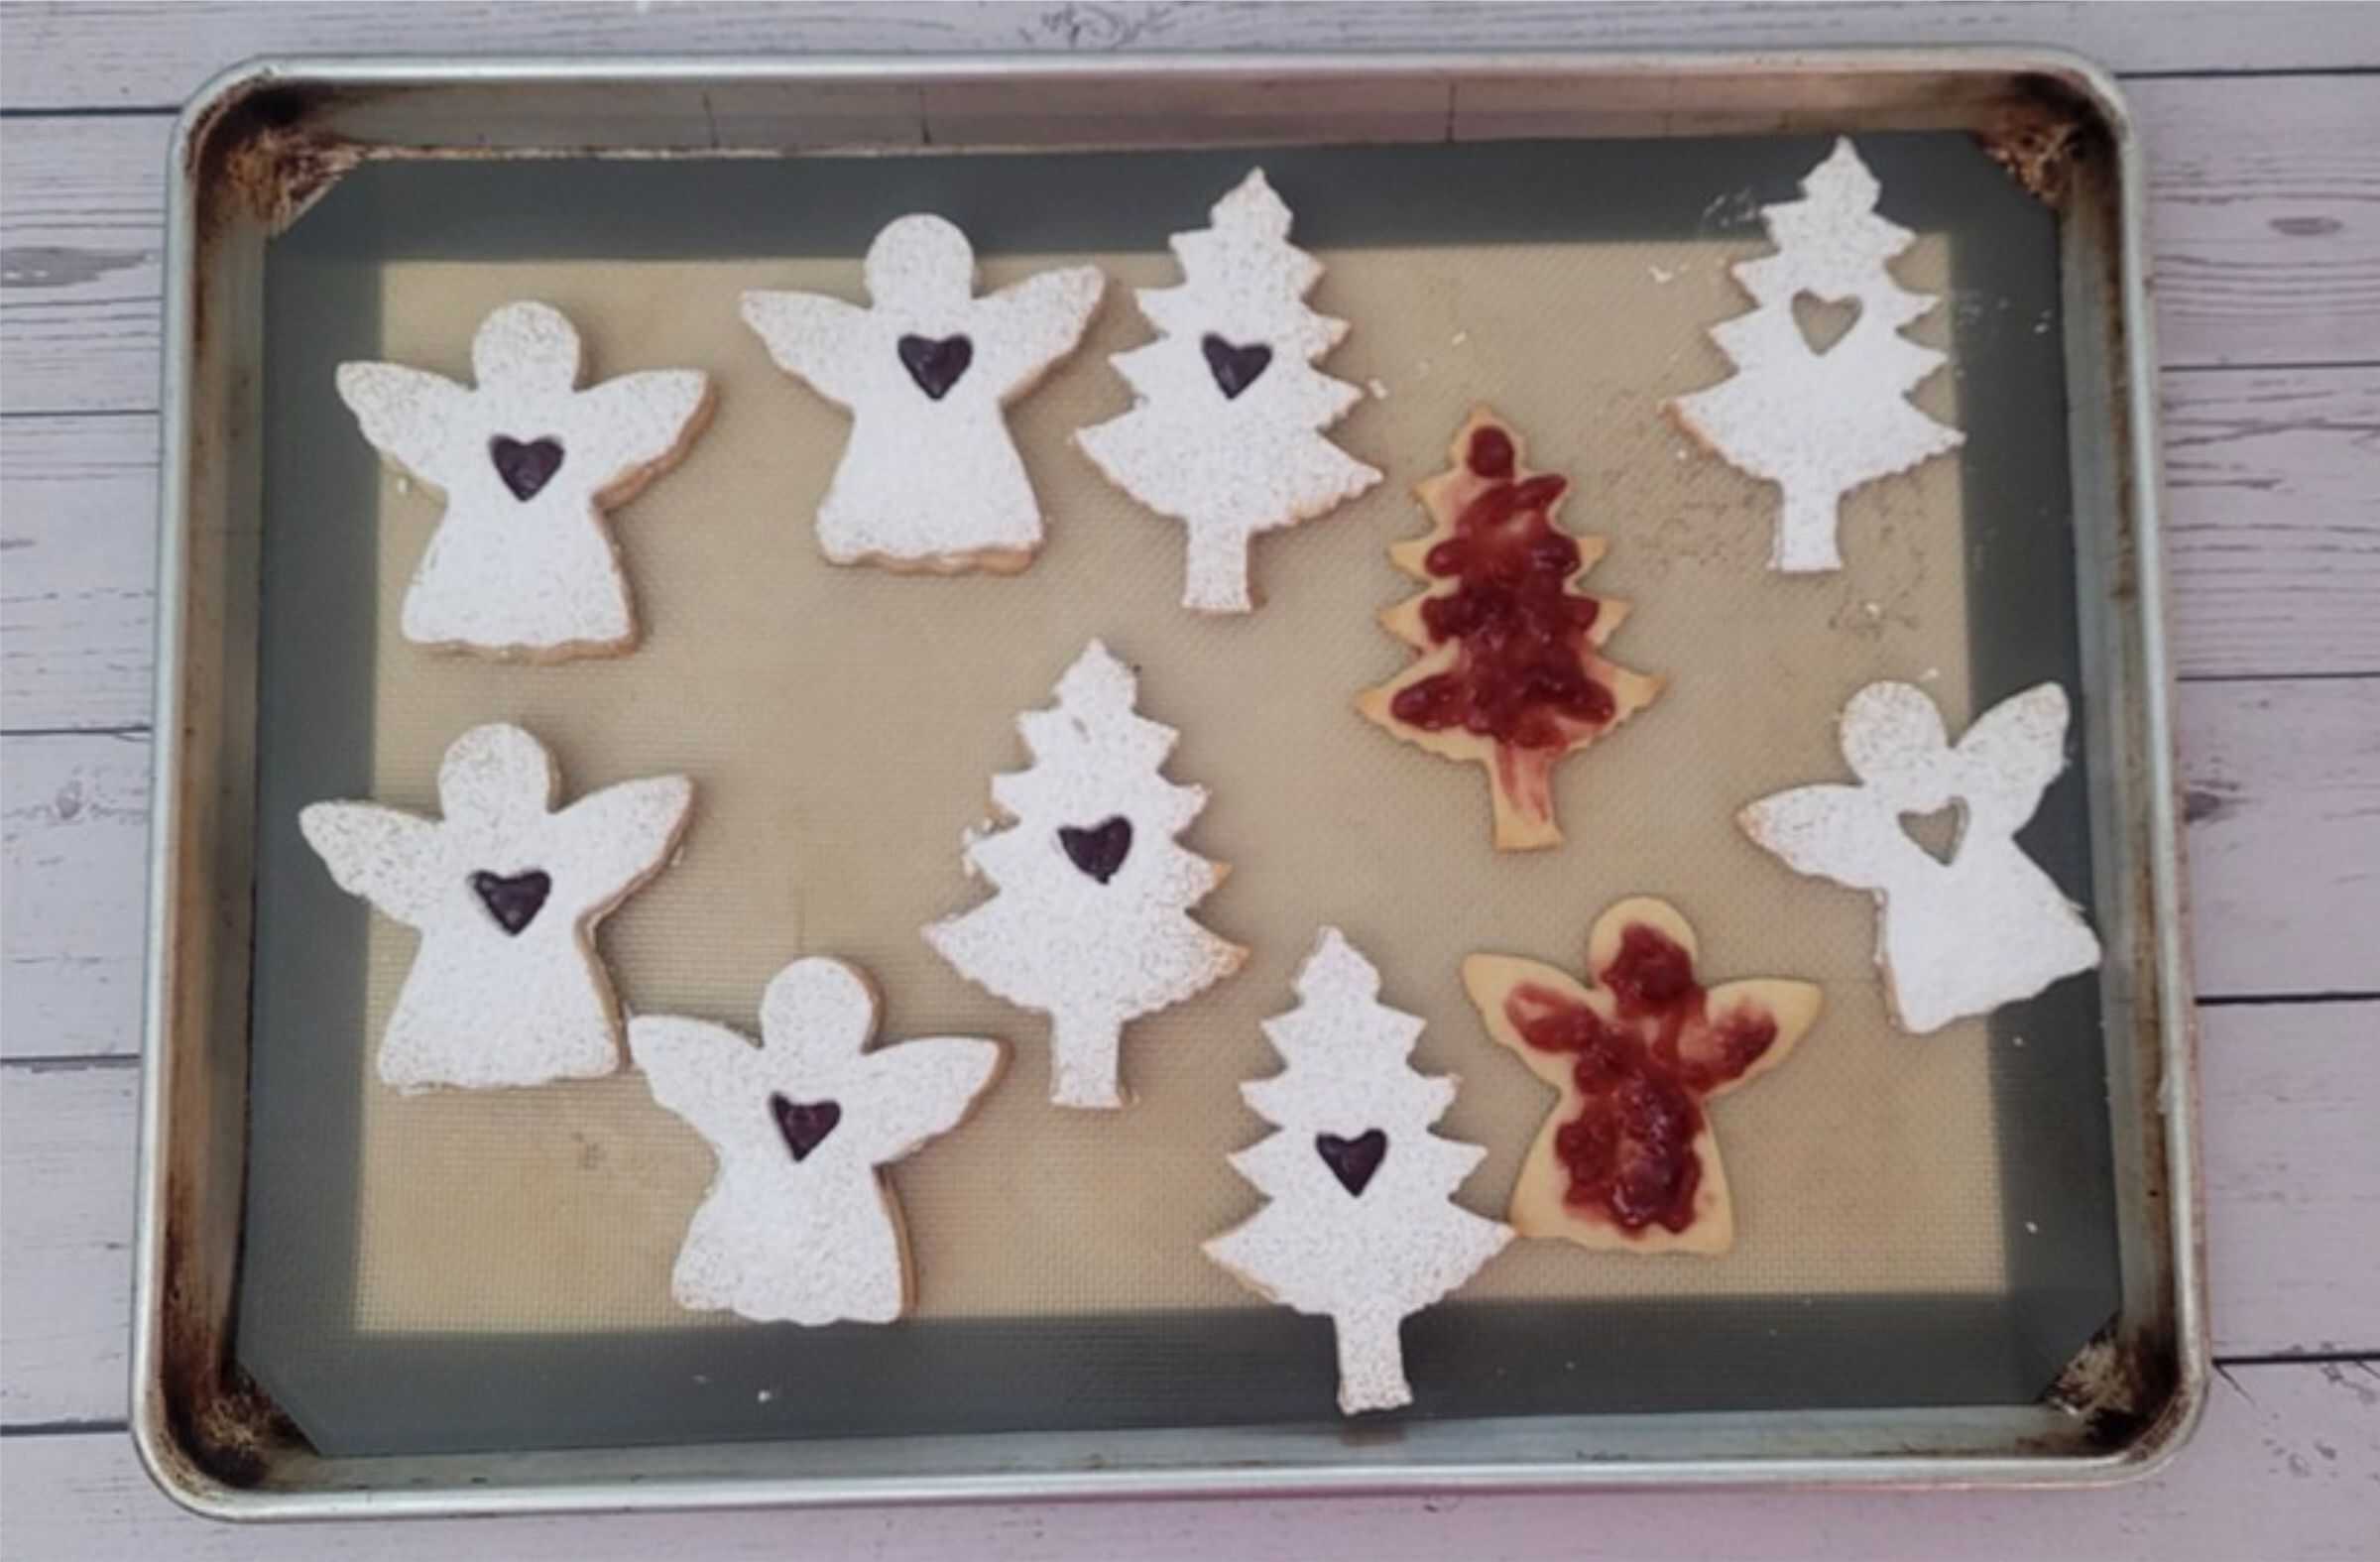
526	467
804	1124
1100	850
1353	1161
936	365
513	899
1235	368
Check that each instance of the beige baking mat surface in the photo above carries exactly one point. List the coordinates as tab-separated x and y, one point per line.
841	726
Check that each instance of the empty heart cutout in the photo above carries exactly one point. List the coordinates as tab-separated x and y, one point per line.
514	900
1939	833
1824	324
935	365
526	466
1098	851
1353	1161
1235	368
804	1124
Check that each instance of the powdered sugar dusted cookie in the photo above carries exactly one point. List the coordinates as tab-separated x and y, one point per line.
505	892
931	479
523	564
799	1225
1821	423
1090	921
1960	937
1225	436
1362	1226
1627	1159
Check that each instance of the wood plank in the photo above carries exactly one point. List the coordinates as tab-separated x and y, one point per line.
73	840
2292	1192
81	273
2283	793
77	592
2273	520
156	54
2263	218
2285	1464
65	1296
2265	227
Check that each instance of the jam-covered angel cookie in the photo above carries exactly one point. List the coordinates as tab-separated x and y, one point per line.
506	891
523	564
1627	1158
1511	672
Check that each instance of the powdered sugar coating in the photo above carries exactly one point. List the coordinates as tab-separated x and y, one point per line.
1092	954
929	481
1821	423
533	575
1366	1259
1957	938
813	1238
1228	466
483	1007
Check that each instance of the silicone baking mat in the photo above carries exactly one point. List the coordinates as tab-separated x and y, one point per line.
1942	1199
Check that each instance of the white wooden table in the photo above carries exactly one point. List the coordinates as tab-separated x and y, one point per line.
2263	129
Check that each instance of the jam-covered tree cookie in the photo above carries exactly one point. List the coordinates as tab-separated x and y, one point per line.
1091	923
931	479
799	1225
1511	673
506	892
1627	1158
1819	423
1959	937
523	564
1362	1226
1225	436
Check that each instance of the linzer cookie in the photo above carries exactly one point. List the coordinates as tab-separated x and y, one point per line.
523	564
1509	672
1362	1226
1627	1158
1965	934
1090	923
799	1225
505	892
931	479
1225	436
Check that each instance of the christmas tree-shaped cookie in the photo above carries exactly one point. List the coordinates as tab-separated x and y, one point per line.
1225	436
1511	672
799	1225
1627	1158
1362	1226
1955	938
1091	922
1821	423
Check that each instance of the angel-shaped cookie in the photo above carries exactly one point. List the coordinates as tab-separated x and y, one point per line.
931	479
523	564
1627	1158
799	1225
506	892
1959	937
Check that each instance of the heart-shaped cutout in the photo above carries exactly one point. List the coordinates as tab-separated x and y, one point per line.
1823	322
936	364
1939	833
804	1125
514	900
526	466
1098	851
1235	368
1353	1161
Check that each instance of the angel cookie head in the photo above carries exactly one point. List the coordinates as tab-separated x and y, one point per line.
507	988
523	564
931	479
799	1225
1960	937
